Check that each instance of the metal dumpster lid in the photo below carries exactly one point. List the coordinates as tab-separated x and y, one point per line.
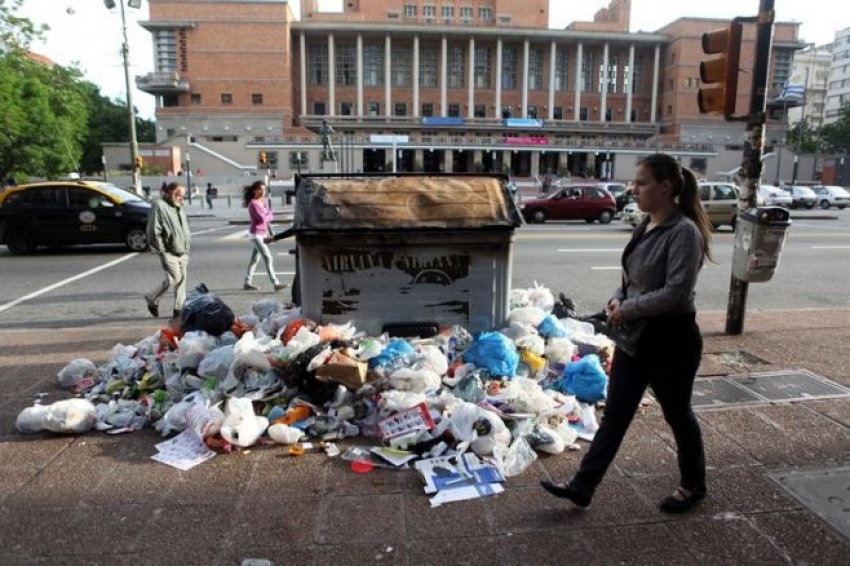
392	202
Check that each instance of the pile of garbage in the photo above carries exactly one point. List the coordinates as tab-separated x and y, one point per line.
481	405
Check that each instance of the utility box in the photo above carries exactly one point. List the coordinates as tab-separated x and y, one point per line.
759	238
406	254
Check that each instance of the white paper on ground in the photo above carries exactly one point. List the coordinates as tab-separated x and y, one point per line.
184	451
464	493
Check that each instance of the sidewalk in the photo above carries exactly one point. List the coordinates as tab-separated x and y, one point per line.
99	498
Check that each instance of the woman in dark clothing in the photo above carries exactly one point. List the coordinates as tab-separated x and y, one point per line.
653	321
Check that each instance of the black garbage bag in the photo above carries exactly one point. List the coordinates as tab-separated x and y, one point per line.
204	311
565	307
296	374
599	321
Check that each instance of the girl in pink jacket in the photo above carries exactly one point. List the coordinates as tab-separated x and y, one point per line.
261	217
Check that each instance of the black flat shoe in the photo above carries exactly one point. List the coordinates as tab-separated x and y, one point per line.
153	308
566	491
681	501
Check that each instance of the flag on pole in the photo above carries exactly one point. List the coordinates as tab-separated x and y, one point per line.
794	88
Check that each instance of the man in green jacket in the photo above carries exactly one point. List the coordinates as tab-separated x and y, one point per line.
168	237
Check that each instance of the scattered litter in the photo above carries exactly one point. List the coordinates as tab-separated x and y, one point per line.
184	451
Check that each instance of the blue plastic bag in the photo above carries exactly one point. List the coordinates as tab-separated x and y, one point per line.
495	352
393	356
551	327
585	379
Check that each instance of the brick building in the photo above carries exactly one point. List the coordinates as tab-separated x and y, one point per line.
459	85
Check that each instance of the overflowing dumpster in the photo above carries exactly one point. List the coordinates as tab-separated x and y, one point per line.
405	254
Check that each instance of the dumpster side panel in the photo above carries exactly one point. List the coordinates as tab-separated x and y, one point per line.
373	280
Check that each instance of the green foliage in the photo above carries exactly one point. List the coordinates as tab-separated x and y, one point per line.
802	138
16	33
836	136
44	117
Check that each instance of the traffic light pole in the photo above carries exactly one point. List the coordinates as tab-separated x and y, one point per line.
751	168
134	145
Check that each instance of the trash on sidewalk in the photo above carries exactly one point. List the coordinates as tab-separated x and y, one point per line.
465	410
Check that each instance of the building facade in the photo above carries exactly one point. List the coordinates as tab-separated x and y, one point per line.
813	64
455	86
839	76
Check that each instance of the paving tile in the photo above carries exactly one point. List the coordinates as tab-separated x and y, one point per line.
530	509
836	409
276	474
426	522
723	452
654	490
803	537
32	452
341	480
24	532
457	550
638	544
370	553
188	527
289	523
725	539
555	547
225	477
363	519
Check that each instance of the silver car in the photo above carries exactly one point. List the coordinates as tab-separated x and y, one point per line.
802	197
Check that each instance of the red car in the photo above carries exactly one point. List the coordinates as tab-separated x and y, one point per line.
573	202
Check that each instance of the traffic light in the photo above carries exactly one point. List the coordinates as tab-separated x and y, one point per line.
264	160
721	71
139	162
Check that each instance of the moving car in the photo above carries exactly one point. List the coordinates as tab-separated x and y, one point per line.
632	215
802	197
769	195
720	201
830	195
622	195
574	202
66	213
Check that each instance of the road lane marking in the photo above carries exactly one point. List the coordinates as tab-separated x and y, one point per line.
605	267
236	235
830	247
64	282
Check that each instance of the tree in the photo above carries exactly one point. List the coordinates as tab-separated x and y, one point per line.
802	138
836	136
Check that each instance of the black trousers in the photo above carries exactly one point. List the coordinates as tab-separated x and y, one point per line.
668	356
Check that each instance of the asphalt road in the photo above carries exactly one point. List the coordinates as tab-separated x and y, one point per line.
102	286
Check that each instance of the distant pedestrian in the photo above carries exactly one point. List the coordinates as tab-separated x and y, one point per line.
653	321
261	216
210	194
169	238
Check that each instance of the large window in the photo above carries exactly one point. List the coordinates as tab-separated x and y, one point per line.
447	11
400	109
466	13
346	64
402	63
410	10
429	11
613	63
635	78
480	110
428	67
373	65
373	108
482	67
535	69
317	63
562	76
485	13
509	68
587	72
457	64
427	109
165	46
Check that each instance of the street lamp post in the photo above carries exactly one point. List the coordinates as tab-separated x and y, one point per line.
125	52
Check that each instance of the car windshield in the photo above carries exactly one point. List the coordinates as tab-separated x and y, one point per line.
118	192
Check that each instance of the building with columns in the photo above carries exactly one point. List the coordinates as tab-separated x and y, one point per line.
455	86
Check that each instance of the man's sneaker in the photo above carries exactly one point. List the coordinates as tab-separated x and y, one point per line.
175	313
280	286
250	287
153	308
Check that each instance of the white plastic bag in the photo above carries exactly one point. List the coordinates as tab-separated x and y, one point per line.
241	426
518	457
76	371
250	352
417	381
527	315
216	363
68	416
541	297
559	350
285	434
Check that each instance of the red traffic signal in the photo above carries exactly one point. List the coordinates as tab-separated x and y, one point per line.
722	71
263	158
139	162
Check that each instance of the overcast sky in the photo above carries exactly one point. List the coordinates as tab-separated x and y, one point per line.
84	31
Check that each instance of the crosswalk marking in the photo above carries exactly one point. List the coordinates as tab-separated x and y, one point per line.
240	235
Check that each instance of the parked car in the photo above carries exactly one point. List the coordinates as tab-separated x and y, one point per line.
830	195
632	215
620	192
575	202
768	195
802	197
720	201
66	213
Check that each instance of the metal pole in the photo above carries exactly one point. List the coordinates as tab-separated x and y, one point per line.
103	160
751	168
794	171
134	146
188	171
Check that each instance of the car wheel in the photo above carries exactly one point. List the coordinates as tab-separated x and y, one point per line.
810	206
734	222
136	239
605	216
793	205
20	242
824	204
538	216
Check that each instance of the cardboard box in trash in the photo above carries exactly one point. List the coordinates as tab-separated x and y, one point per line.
405	250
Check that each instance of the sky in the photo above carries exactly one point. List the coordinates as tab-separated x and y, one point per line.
84	31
